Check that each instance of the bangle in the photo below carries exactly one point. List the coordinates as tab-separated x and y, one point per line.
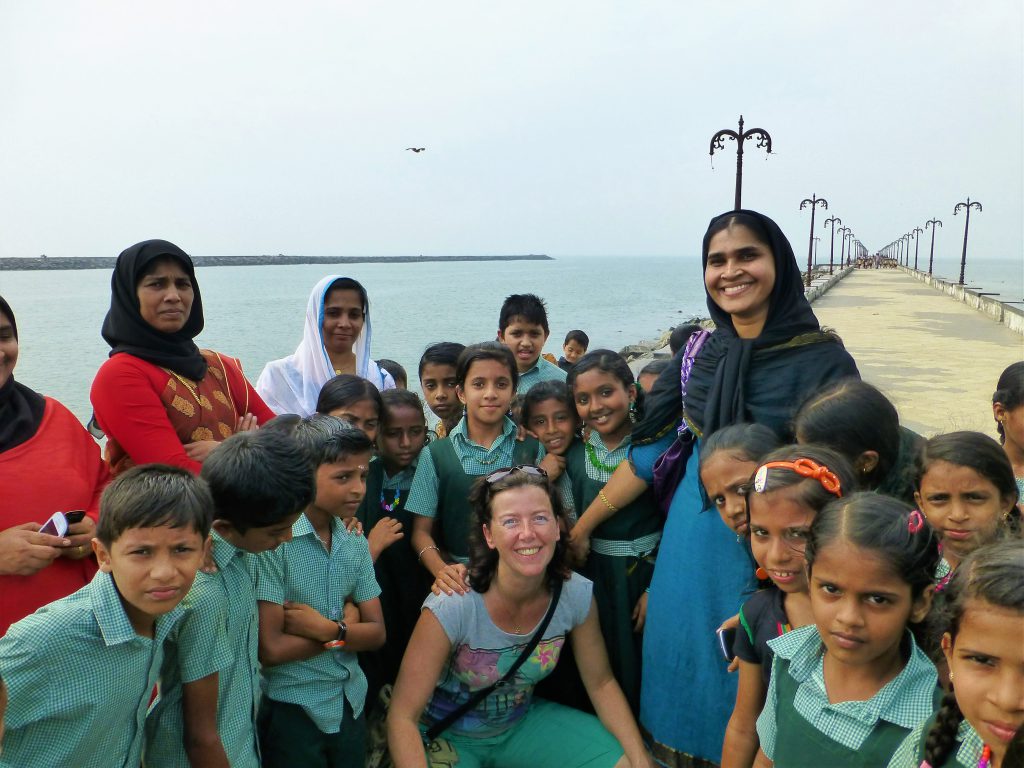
420	555
602	497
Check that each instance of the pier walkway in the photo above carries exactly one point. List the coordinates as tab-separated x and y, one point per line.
936	359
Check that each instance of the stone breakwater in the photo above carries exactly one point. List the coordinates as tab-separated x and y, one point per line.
107	262
641	353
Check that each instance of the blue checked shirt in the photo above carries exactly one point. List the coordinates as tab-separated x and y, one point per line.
542	371
967	755
79	681
219	633
303	571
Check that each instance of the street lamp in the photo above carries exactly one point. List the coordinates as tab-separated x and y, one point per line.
967	206
814	201
718	142
931	254
916	232
833	220
816	240
842	243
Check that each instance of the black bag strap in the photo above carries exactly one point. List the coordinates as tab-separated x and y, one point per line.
441	725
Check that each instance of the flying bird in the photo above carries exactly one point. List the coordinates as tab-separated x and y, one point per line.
415	149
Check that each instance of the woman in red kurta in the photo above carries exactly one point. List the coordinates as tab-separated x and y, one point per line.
48	463
159	398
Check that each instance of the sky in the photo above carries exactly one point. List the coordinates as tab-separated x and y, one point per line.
565	127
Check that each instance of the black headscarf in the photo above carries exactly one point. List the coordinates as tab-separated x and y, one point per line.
21	409
760	380
125	330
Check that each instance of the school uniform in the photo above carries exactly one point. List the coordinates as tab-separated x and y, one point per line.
966	754
622	553
79	681
312	710
800	727
221	623
542	370
445	474
762	619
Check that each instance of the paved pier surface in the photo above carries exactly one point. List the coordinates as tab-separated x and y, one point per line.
936	359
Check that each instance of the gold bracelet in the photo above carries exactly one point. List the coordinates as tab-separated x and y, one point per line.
612	507
420	555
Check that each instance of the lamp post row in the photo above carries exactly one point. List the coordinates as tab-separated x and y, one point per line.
902	253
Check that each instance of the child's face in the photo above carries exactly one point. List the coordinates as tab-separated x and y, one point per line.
986	660
779	525
602	402
552	423
526	340
860	605
258	540
402	437
487	393
153	569
726	478
341	485
1013	424
438	382
964	508
572	351
361	414
343	320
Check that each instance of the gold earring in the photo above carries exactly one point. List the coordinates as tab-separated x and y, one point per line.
951	676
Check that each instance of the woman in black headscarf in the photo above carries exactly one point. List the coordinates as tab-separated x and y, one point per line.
48	464
766	355
159	398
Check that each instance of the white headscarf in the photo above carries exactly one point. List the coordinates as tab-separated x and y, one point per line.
292	384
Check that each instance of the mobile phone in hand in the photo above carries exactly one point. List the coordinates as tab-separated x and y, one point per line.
726	638
57	525
74	516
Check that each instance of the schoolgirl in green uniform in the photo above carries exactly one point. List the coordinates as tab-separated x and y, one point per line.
485	438
846	690
618	546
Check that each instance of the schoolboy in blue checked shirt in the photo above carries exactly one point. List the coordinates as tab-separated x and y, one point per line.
80	671
523	328
260	484
312	711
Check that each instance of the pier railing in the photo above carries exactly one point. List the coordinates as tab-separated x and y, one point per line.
1002	312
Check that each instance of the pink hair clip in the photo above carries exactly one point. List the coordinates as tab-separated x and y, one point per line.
915	522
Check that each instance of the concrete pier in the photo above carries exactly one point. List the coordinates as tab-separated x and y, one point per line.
936	358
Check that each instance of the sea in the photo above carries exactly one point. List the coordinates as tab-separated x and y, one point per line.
256	313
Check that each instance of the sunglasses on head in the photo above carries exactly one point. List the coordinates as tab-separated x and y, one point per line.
528	469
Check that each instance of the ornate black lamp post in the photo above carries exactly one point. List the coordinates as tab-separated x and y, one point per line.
718	142
966	206
849	250
931	254
814	201
842	244
906	248
916	232
816	241
833	220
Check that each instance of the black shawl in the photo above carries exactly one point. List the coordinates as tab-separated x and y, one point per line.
21	409
762	380
125	330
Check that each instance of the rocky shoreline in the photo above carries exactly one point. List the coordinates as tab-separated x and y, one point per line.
107	262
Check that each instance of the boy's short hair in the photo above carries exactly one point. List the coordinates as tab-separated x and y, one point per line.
327	439
527	306
442	353
258	479
654	367
579	337
680	335
152	495
395	369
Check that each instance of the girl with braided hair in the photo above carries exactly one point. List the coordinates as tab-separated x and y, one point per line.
983	713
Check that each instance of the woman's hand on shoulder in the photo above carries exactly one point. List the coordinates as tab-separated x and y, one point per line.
451	579
247	423
25	551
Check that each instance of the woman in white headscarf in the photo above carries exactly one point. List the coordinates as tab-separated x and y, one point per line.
335	340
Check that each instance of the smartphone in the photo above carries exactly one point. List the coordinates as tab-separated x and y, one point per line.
726	638
74	516
57	525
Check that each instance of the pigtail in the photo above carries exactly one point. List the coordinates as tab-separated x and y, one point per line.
941	739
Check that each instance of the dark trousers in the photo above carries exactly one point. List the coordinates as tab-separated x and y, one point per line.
289	738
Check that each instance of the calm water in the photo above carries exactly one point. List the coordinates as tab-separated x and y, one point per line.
256	313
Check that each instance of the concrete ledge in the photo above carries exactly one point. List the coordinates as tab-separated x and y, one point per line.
821	284
1007	314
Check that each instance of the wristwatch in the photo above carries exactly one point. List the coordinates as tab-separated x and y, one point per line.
339	641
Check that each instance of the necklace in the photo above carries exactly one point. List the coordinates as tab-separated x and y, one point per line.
390	507
986	756
190	387
597	463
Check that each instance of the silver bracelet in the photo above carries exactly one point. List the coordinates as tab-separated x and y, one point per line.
419	557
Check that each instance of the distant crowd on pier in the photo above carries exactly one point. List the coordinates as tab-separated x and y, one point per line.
737	558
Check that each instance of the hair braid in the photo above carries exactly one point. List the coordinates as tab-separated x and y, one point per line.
941	738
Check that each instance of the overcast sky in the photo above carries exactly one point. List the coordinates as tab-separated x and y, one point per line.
576	127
